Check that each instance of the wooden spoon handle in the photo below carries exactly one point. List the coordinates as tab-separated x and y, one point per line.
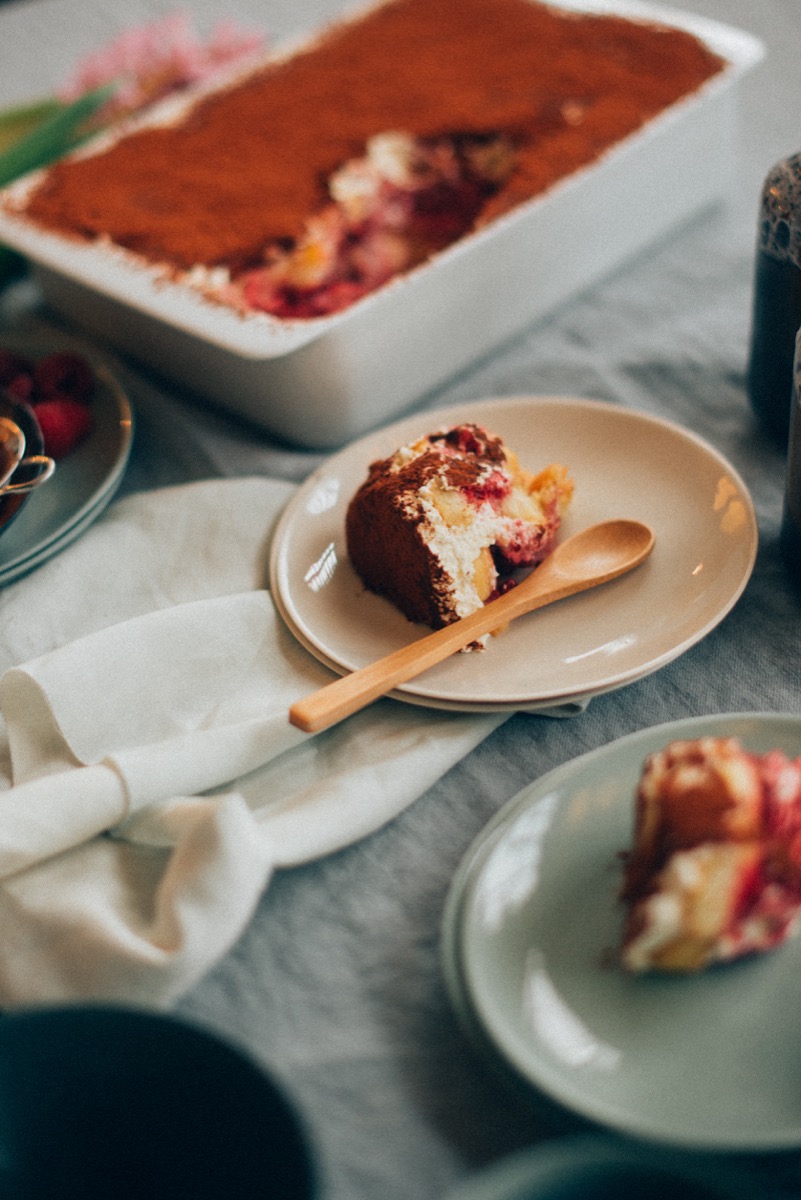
594	556
345	696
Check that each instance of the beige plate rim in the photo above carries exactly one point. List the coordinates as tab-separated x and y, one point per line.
625	463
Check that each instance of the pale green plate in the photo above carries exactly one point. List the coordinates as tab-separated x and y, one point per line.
84	483
530	932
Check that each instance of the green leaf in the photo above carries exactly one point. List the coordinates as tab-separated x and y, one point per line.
62	130
18	121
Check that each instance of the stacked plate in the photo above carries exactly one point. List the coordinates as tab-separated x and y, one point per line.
530	939
83	483
624	464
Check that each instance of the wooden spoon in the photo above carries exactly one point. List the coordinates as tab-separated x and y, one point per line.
593	556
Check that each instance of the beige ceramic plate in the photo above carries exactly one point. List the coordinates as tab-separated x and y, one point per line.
625	464
530	929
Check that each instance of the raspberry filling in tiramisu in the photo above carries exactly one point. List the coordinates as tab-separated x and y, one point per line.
390	210
715	869
440	526
318	175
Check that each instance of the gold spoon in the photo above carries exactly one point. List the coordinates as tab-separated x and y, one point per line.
591	557
12	448
43	467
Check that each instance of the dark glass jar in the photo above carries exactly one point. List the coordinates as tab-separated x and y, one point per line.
791	522
776	315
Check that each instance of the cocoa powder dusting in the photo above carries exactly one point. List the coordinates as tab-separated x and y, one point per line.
250	164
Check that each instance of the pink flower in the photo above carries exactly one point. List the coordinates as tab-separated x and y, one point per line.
151	61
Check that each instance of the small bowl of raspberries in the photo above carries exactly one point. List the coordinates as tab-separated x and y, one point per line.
50	397
58	386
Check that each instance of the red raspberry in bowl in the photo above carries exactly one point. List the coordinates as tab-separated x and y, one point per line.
59	388
63	373
64	422
16	374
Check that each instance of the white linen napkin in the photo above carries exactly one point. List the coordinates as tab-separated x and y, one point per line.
152	779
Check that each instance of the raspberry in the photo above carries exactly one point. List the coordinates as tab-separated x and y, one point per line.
63	372
59	387
64	422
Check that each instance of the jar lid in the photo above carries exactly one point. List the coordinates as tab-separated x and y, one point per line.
780	211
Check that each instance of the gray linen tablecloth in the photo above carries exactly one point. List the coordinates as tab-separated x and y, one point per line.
336	984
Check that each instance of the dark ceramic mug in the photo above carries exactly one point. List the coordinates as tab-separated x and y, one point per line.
121	1103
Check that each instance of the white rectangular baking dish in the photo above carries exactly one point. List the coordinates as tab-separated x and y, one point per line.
320	383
